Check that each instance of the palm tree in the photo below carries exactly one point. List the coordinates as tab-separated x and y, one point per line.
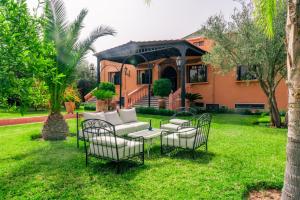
266	10
68	53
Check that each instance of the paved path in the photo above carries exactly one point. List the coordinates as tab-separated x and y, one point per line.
27	120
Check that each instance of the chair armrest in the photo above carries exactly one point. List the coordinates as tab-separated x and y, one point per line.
164	121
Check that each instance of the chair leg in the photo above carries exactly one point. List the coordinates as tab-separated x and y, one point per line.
118	167
143	158
86	160
77	142
206	146
194	154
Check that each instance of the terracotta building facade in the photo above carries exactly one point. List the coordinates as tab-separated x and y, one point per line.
233	89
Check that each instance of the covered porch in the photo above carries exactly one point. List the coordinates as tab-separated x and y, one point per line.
152	60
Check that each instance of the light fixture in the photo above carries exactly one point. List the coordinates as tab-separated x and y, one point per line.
179	61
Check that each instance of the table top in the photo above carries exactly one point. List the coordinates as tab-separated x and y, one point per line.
146	134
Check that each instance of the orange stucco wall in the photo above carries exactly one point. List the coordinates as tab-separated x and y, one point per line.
222	89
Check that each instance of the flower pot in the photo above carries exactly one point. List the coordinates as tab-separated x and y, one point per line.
101	105
70	107
161	103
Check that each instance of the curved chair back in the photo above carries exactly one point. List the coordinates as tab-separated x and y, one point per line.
99	138
203	128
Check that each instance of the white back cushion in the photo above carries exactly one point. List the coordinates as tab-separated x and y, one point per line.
113	118
98	115
109	141
128	115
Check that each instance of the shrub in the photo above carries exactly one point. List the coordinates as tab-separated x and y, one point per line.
103	94
154	111
105	91
90	106
72	94
193	97
107	86
162	87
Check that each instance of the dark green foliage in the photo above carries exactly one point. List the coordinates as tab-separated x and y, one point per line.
105	91
107	86
162	87
22	54
85	86
154	111
193	97
90	106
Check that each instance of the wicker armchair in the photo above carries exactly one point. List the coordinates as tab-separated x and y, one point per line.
192	137
101	141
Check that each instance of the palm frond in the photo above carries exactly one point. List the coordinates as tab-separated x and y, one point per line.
75	28
84	46
265	13
55	17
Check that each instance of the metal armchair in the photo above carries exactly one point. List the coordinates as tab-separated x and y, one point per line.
192	137
100	141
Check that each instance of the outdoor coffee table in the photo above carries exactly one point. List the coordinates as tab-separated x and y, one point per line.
148	136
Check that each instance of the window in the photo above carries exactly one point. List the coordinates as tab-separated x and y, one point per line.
114	77
243	74
198	44
197	73
250	106
143	76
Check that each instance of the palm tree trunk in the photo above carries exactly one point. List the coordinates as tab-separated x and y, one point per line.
291	189
55	127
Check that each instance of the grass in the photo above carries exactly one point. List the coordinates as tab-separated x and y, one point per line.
4	114
240	156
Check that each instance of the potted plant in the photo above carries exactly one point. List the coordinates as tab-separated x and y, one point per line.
192	99
162	88
104	94
71	97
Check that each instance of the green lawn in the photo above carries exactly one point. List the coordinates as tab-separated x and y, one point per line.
15	114
240	156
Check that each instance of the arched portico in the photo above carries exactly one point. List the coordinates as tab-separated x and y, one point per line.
136	53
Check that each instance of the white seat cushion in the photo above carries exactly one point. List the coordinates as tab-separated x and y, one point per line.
187	132
113	118
87	135
179	121
132	148
127	128
174	140
128	115
109	141
96	115
170	127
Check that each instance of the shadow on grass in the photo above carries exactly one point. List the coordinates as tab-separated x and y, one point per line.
58	169
200	156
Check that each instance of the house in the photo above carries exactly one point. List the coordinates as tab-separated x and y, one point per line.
145	62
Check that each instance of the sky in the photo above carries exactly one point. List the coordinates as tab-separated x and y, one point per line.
134	20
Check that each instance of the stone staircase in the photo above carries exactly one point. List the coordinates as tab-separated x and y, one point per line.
154	102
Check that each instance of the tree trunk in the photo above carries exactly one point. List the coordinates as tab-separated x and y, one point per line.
274	112
55	127
291	189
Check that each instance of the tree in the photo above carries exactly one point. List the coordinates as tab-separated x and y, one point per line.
242	43
21	53
69	52
265	10
38	95
86	79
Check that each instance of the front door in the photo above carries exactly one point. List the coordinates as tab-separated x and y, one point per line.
171	74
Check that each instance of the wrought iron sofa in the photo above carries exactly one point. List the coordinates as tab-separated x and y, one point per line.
124	122
189	137
101	141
